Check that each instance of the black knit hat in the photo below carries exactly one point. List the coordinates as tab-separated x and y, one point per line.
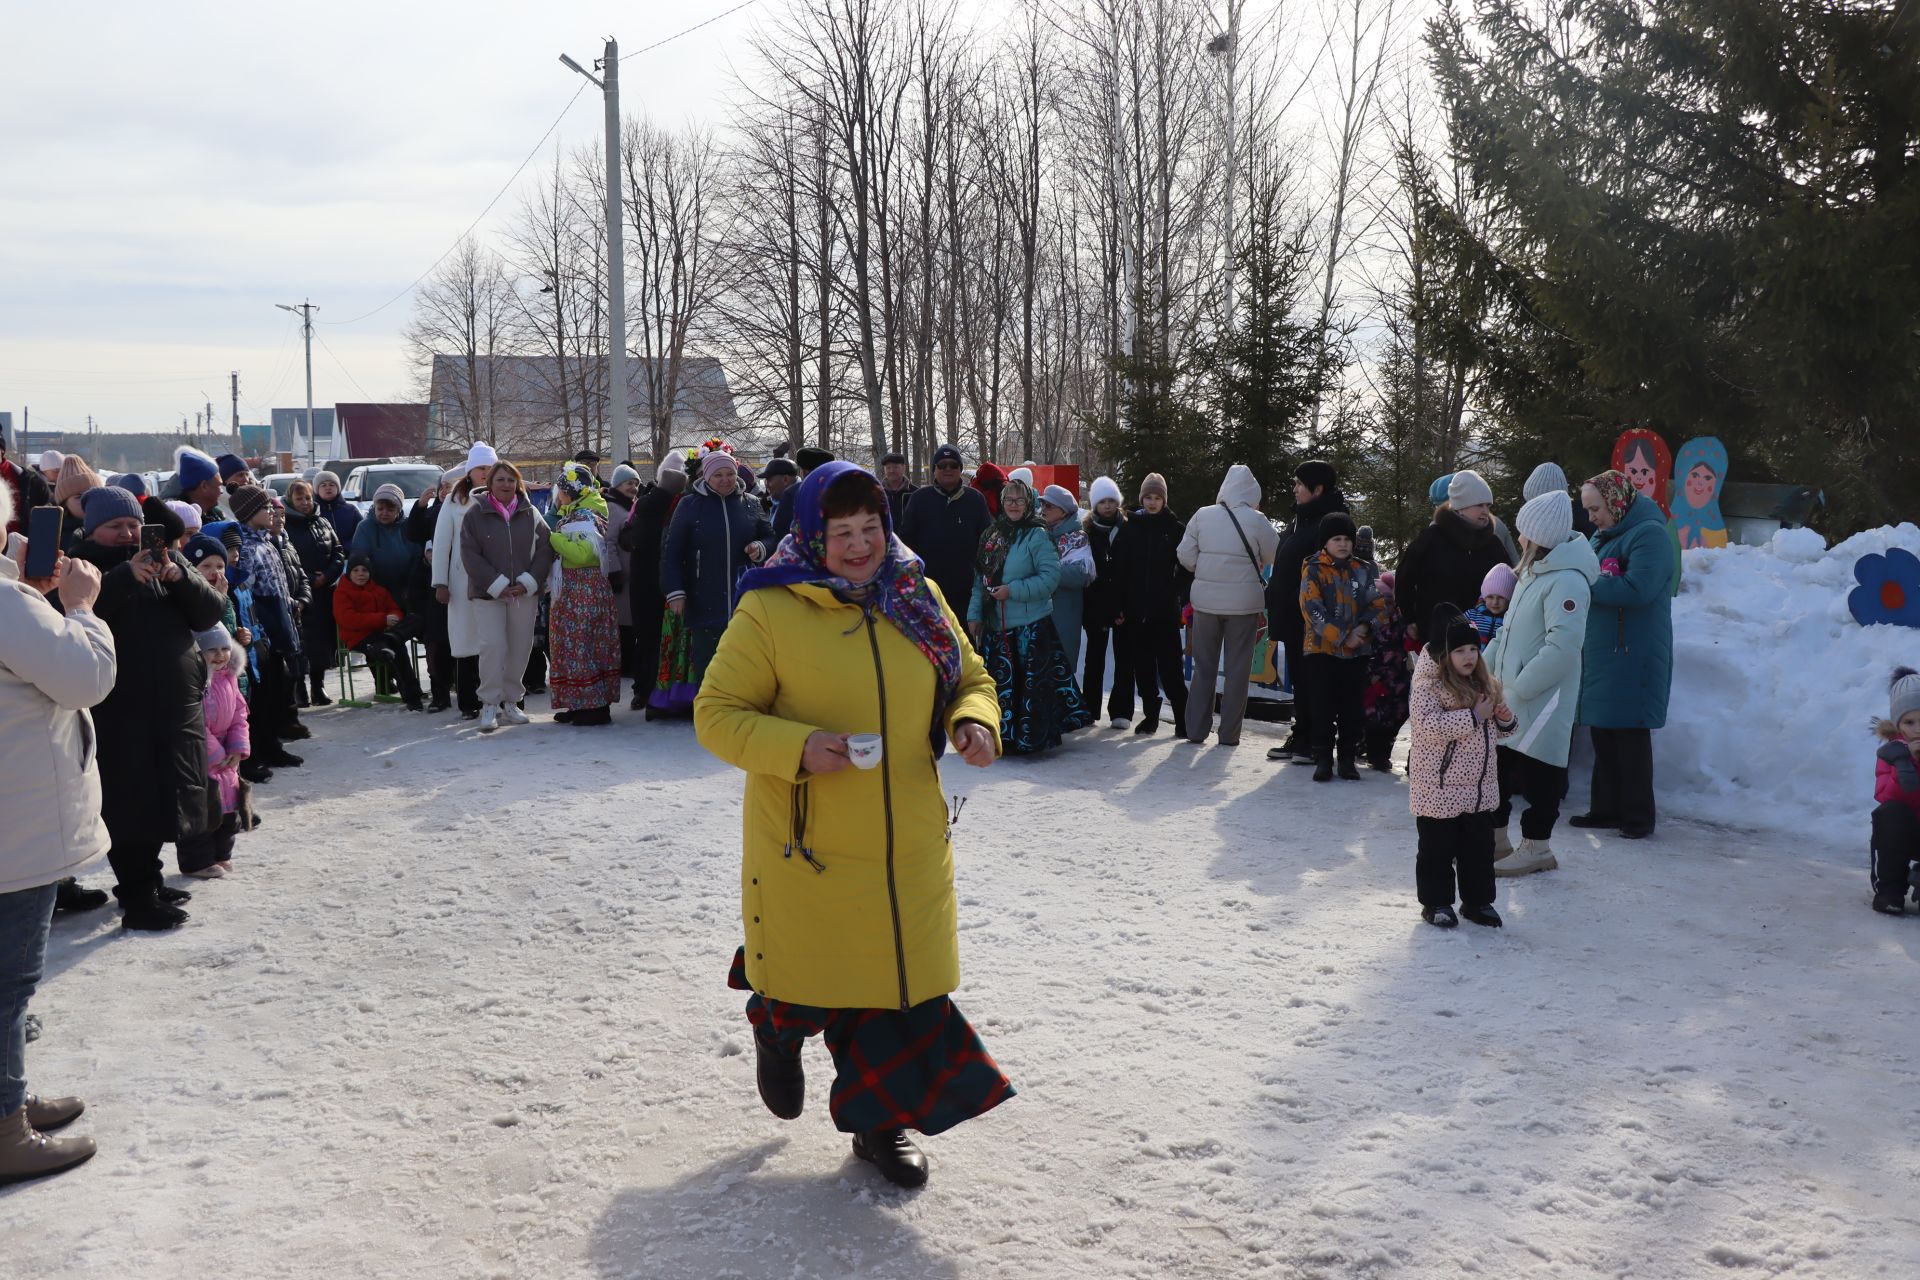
779	467
1316	474
1448	631
812	459
1363	542
1336	524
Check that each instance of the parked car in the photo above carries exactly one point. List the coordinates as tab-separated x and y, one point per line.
413	478
280	480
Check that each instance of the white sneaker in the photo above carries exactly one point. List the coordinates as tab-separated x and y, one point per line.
1119	722
1531	856
1502	844
510	714
489	719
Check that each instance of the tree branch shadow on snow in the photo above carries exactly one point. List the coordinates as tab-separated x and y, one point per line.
73	938
730	1218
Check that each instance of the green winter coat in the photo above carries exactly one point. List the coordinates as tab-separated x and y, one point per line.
1537	654
1629	651
577	550
1032	574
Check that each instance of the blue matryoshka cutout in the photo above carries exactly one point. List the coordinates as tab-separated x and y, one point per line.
1699	475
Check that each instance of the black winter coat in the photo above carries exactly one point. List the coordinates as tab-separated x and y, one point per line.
706	552
897	500
945	533
1444	565
318	545
422	601
643	536
1301	541
1146	554
152	736
1106	595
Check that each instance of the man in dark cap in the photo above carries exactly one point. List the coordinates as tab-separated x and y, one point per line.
591	459
942	524
234	472
893	479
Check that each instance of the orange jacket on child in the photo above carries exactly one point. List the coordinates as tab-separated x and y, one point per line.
361	611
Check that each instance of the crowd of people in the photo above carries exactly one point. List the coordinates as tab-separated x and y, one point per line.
163	665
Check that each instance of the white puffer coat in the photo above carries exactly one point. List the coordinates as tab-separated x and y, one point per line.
463	635
1225	579
52	669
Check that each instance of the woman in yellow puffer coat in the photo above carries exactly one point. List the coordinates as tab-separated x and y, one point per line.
847	881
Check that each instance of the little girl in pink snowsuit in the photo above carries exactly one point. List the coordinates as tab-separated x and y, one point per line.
209	856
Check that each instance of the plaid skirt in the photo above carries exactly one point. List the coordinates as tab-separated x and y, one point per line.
922	1068
1039	700
583	643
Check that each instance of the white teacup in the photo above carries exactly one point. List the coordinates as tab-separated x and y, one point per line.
865	749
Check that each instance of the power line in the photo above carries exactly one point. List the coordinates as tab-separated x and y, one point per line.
476	222
689	31
343	368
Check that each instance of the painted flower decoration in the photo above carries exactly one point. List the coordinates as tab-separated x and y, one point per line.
1889	590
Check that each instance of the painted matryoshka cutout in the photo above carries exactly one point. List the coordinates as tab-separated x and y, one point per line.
1646	461
1700	473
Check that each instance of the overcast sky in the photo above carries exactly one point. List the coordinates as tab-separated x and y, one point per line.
169	172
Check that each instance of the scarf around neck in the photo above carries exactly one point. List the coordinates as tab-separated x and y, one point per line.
897	592
997	543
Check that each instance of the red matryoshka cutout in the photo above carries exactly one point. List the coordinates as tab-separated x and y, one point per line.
1647	463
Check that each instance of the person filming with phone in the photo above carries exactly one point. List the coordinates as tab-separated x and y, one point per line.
152	738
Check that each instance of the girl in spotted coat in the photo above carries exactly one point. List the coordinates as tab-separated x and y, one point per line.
1453	779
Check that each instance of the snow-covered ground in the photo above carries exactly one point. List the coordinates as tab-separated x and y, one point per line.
462	1013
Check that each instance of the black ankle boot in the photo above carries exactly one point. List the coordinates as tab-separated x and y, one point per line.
69	896
1148	727
319	696
170	895
1323	766
144	910
782	1080
888	1150
1348	773
1484	915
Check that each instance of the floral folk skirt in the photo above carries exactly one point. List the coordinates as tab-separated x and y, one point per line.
922	1068
1039	700
674	681
583	643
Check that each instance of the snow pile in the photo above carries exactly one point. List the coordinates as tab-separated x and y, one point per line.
1775	687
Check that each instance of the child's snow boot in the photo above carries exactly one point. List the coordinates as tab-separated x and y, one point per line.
1483	915
1439	917
1890	904
1323	766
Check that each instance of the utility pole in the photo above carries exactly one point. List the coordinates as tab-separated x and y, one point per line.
236	406
1228	46
305	311
609	68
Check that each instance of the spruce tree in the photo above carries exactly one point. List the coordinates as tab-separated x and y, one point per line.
1708	222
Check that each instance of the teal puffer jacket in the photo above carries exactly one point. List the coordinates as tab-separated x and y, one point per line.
1032	573
1629	653
1537	655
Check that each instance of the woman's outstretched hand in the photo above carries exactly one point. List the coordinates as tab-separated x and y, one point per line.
825	753
975	744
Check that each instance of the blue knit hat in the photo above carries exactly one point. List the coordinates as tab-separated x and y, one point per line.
200	546
107	503
230	465
1437	491
132	483
193	468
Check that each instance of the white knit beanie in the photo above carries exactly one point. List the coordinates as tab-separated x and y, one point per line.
1546	478
1103	488
1467	489
481	454
1546	521
1023	474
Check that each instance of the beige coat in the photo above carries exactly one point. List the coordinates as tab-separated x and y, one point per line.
1226	580
51	670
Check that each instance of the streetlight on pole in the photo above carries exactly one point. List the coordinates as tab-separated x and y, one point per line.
609	67
1227	46
305	311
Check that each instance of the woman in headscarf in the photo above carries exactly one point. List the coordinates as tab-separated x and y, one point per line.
1011	618
715	536
583	634
847	896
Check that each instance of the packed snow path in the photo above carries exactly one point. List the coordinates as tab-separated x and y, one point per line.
462	1012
